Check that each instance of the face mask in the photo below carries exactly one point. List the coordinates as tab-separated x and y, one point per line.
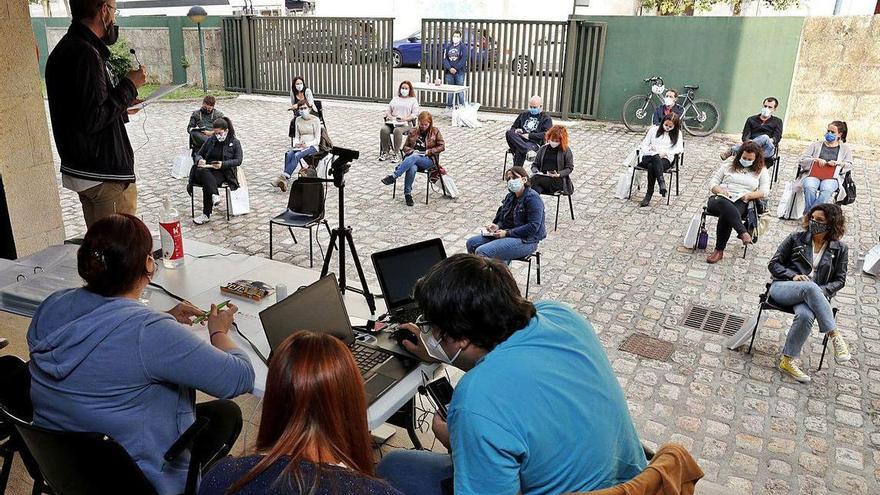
515	185
404	92
299	87
552	144
667	129
534	111
818	228
830	137
746	163
111	35
303	112
669	101
765	112
222	136
435	350
456	39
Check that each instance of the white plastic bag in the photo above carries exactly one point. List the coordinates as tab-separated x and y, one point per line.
449	185
239	199
872	261
690	235
785	200
791	204
180	166
625	178
466	116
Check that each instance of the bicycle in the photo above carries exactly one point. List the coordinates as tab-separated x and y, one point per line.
700	117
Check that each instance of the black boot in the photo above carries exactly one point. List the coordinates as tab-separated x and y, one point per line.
661	181
646	201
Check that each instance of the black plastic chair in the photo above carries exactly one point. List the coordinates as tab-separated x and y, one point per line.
677	160
305	210
509	152
15	386
528	259
768	304
752	208
774	164
559	195
427	173
192	198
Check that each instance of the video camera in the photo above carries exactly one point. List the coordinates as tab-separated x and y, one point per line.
342	163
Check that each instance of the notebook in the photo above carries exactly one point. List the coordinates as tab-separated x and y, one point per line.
823	173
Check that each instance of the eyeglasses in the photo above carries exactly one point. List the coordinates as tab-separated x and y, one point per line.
113	8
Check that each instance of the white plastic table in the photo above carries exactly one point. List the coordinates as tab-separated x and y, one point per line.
446	89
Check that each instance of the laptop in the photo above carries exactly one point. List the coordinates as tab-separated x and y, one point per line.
399	269
319	307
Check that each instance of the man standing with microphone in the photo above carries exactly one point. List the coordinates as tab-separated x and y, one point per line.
88	108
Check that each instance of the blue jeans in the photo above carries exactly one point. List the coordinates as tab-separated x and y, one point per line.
765	142
505	249
415	472
809	303
291	159
818	191
409	166
458	80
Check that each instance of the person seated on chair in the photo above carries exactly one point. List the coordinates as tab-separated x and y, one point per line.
553	164
518	225
528	130
313	434
658	149
201	122
669	107
808	269
830	152
523	363
217	162
732	187
764	129
300	93
306	140
398	119
423	146
101	361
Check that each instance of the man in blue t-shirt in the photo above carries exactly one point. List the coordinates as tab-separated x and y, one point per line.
538	411
455	60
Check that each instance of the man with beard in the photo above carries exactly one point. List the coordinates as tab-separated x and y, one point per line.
201	122
88	107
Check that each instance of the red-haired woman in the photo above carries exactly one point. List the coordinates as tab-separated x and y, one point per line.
313	436
553	163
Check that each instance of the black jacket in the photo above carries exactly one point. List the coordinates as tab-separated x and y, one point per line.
564	166
754	127
535	125
795	257
88	109
232	156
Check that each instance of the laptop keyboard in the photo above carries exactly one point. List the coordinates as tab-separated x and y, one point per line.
368	358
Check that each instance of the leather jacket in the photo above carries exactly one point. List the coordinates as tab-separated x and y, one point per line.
795	257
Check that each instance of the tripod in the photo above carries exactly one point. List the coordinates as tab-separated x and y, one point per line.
342	233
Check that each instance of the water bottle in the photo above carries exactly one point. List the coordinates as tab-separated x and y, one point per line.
170	235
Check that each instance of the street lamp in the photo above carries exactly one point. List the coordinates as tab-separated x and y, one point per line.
197	15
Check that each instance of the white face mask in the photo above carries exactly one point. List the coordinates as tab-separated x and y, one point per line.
746	163
299	87
765	112
404	92
222	136
435	350
667	129
552	144
669	101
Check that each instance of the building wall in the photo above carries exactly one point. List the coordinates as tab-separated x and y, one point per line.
837	77
213	55
26	162
716	53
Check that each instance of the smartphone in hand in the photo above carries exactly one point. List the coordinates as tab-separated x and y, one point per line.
440	394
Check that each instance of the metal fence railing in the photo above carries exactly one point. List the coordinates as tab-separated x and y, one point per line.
346	58
508	61
586	44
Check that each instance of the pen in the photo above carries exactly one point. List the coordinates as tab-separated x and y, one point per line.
204	317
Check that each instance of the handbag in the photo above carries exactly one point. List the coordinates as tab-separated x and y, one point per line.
450	187
849	187
239	199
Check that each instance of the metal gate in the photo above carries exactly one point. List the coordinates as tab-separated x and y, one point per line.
509	61
347	58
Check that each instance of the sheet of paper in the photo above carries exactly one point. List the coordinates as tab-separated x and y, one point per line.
162	91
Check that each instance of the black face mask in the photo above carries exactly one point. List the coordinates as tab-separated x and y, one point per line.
111	34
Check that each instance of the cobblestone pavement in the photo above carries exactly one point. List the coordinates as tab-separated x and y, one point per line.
621	266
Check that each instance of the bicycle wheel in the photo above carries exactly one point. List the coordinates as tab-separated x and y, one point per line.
638	112
701	118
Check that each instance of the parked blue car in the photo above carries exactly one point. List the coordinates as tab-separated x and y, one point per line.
407	52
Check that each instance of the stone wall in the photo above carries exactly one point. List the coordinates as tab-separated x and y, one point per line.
26	162
837	77
213	56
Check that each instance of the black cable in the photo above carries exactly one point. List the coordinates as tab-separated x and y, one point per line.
253	347
167	292
214	254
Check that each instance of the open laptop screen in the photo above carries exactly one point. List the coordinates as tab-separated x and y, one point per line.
400	268
318	307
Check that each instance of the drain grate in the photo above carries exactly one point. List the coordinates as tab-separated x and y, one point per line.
711	321
647	346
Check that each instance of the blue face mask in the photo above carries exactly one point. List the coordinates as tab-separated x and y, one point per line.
830	137
534	111
515	185
746	163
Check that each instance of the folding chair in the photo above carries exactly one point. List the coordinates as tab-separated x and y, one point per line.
768	304
677	160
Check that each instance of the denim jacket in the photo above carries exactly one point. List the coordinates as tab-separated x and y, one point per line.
528	216
795	257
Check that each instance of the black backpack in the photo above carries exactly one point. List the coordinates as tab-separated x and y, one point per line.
849	186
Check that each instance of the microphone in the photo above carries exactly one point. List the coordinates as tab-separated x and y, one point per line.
131	51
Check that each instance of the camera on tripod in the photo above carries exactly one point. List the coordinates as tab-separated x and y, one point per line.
342	163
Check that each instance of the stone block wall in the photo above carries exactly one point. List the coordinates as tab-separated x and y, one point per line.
837	77
26	162
213	56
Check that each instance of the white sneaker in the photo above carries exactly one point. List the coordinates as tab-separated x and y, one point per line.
841	350
201	219
216	199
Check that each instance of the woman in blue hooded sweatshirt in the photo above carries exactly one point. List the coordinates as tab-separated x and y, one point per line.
103	362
